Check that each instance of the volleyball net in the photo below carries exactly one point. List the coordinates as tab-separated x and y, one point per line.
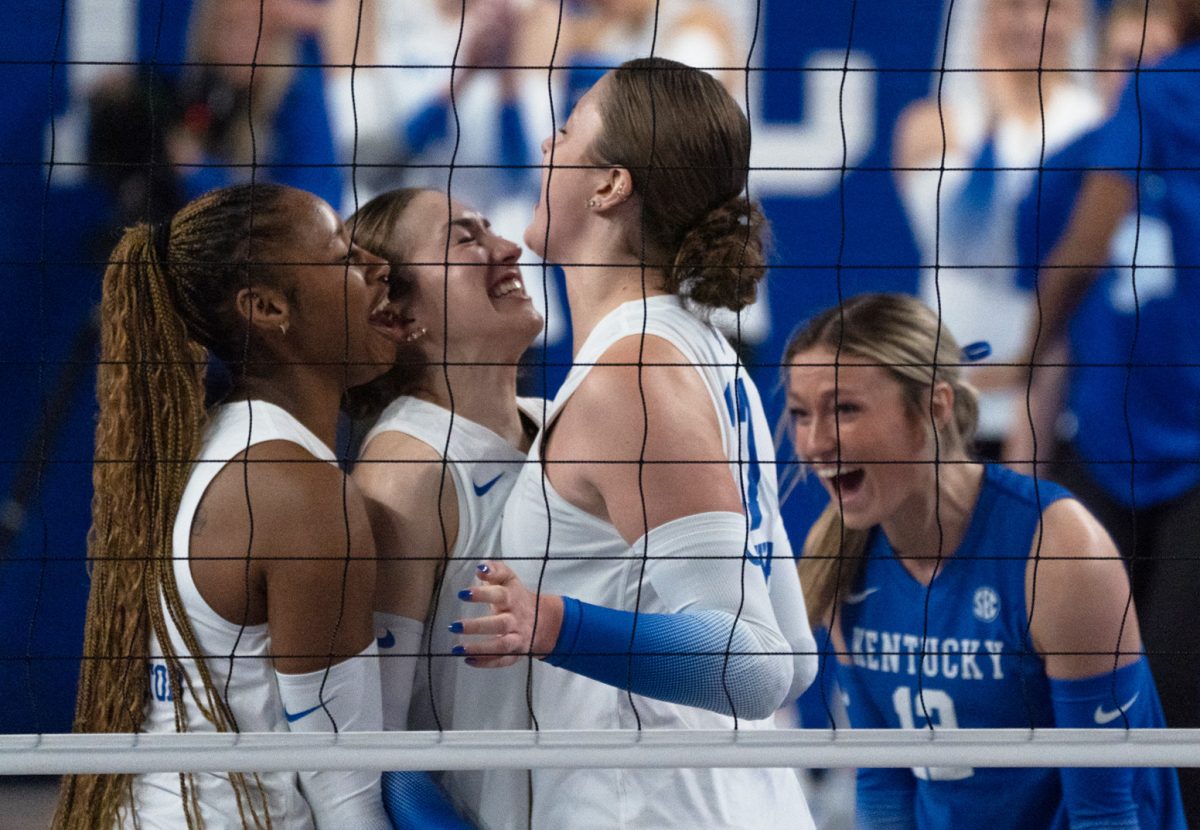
141	103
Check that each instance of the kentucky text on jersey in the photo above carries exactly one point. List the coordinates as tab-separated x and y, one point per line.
965	658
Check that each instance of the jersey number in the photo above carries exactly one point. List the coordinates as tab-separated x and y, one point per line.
160	683
738	404
936	708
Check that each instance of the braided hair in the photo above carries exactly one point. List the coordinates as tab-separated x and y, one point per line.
168	299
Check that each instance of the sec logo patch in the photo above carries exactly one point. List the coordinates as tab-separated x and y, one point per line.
986	604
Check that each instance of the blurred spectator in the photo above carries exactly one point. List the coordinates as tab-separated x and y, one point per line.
418	86
258	108
965	161
588	36
1100	337
1139	436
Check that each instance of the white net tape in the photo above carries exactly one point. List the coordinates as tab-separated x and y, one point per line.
267	752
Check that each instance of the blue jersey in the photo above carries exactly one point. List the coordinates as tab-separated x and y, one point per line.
969	663
1153	139
1115	325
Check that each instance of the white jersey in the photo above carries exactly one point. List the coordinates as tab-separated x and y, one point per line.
447	693
586	558
238	657
977	246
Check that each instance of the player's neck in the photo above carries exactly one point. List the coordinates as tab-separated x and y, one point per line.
486	395
923	534
595	291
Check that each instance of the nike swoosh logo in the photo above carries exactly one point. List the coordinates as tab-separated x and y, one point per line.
293	718
387	640
1102	717
481	489
855	599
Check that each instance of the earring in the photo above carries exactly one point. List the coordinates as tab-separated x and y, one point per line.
416	334
592	203
621	189
283	327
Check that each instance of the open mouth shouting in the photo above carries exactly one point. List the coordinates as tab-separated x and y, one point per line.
843	481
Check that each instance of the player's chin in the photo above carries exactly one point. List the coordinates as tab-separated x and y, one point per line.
535	235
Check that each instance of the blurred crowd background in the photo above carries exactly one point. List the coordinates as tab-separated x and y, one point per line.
115	111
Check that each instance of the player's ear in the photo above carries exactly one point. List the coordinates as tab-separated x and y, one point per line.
942	406
264	309
614	191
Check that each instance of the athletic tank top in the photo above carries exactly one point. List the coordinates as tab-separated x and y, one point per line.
483	468
973	665
977	248
235	655
586	558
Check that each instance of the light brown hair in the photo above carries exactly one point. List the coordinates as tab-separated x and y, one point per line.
374	228
686	144
904	337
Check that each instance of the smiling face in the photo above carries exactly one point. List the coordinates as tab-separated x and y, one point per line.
855	429
337	314
566	187
476	304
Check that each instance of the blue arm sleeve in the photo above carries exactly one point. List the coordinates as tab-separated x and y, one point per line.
414	800
1111	797
686	658
303	154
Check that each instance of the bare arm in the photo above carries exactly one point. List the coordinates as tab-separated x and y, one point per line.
291	548
1076	260
401	479
1080	611
686	469
1037	415
319	609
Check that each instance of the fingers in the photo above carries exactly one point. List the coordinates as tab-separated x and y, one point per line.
492	652
494	573
503	636
489	594
496	624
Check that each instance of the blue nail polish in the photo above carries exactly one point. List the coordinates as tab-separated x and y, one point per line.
482	568
465	593
455	627
458	650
